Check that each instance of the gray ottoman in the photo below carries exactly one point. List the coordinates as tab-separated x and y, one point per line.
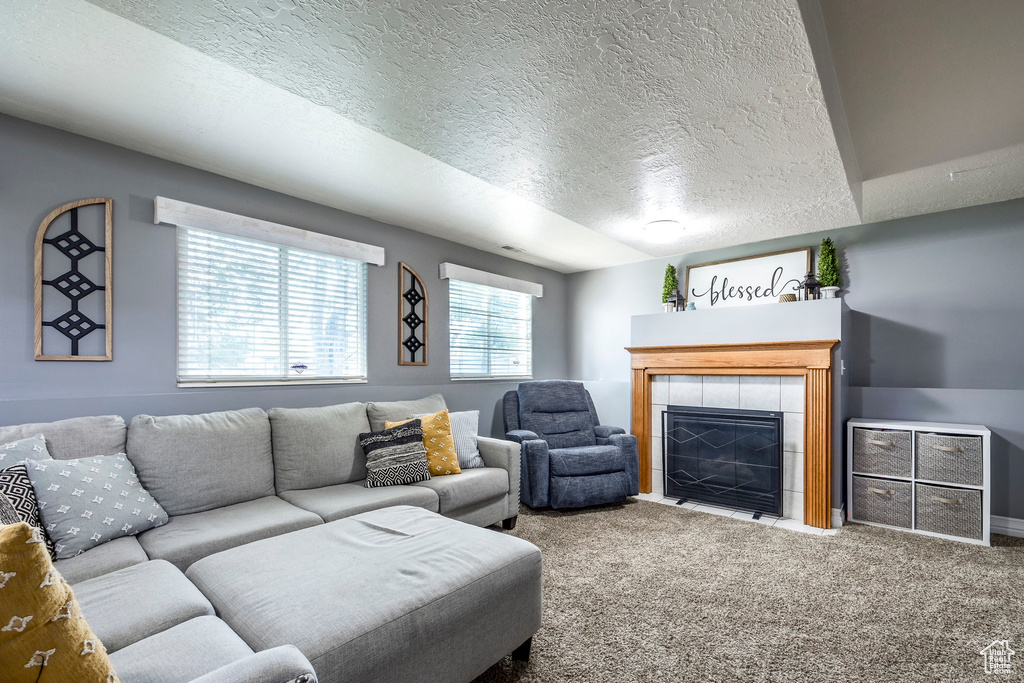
397	594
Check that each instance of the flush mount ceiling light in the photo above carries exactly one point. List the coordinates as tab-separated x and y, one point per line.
662	231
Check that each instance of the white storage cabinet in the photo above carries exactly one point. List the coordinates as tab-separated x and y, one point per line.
930	478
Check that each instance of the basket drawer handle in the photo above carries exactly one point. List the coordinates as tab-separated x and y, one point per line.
947	501
949	449
884	444
881	492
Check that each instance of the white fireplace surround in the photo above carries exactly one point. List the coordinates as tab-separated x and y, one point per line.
747	392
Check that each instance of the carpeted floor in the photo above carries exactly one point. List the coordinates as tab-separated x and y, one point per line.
646	592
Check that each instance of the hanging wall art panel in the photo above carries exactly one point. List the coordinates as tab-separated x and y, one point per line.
412	317
73	282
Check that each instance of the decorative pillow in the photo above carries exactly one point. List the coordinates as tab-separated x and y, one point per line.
16	487
43	636
465	427
8	515
395	456
437	439
90	501
17	452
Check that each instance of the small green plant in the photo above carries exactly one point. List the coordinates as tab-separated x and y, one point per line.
671	282
828	265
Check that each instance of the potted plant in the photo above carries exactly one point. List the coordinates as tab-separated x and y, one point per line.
828	269
671	283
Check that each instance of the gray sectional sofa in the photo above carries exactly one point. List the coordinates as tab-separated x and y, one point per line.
244	479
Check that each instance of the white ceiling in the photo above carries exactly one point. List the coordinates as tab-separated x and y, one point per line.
559	128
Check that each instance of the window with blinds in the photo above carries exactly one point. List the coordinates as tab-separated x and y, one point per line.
490	331
251	311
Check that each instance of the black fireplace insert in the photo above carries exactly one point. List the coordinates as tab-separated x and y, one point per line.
731	458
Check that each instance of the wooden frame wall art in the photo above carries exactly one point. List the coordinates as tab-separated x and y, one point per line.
412	314
68	290
746	281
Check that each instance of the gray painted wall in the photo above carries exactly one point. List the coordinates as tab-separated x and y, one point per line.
936	331
42	168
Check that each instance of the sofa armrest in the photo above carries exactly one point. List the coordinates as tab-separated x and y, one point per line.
520	435
284	664
604	431
631	452
503	454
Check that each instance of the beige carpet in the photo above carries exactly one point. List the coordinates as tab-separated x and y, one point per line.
646	592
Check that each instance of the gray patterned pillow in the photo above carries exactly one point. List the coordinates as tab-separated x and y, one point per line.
17	452
90	501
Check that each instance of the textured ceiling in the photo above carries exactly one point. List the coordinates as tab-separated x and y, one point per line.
609	114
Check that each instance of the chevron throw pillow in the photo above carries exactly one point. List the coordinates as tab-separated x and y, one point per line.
395	456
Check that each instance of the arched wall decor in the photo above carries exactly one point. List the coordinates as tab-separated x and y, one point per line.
412	314
73	287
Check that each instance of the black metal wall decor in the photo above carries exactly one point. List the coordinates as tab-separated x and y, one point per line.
412	315
67	293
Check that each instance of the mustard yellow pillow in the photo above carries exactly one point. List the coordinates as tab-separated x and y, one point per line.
437	439
43	636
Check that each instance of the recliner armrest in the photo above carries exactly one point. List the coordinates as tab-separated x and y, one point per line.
521	435
284	664
604	431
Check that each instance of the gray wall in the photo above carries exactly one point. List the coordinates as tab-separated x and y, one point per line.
937	325
42	168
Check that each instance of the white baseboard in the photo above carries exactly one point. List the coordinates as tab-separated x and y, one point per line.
1007	526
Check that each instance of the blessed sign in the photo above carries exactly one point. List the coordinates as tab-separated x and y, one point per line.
746	281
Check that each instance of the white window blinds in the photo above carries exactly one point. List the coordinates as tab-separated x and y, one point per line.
251	311
490	330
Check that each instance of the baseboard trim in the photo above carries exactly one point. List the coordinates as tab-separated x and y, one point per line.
1007	526
838	518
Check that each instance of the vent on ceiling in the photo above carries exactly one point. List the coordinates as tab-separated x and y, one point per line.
514	250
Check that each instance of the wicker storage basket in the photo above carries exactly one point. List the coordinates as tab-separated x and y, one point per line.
956	459
886	452
882	500
950	511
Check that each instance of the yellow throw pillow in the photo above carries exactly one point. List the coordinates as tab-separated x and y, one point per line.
43	636
437	439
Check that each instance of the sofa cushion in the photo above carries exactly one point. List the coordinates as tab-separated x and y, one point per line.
472	486
443	601
17	452
558	411
181	653
316	447
395	455
437	440
89	501
187	538
345	500
133	603
192	463
43	629
78	437
380	412
103	559
16	487
573	462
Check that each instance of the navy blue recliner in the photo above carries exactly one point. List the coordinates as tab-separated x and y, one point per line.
569	460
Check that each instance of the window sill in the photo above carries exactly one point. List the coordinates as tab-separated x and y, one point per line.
265	382
492	379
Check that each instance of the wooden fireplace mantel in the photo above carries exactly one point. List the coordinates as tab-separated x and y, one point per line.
811	359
